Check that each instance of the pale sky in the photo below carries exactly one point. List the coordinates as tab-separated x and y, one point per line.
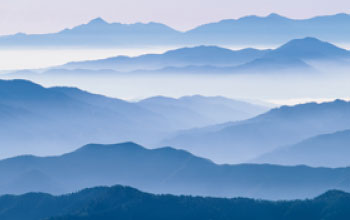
43	16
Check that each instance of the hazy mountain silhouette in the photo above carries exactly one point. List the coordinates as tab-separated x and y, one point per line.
164	170
307	55
189	108
98	25
308	49
252	29
57	120
47	120
295	54
97	33
246	30
119	202
202	55
329	150
243	141
292	56
269	64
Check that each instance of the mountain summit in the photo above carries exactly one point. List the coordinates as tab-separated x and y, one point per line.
97	21
310	48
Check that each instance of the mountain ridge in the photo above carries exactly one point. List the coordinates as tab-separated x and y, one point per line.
322	150
278	127
302	55
246	30
164	170
59	119
294	54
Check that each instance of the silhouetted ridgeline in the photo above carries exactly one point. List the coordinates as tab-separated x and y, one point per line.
246	30
164	170
127	203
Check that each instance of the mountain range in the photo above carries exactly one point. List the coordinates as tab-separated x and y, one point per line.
249	30
253	29
329	150
245	140
60	119
221	129
164	170
296	56
188	108
120	202
183	57
96	33
192	157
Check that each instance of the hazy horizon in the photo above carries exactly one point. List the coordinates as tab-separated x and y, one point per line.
289	89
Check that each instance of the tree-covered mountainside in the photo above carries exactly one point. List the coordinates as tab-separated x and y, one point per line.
120	202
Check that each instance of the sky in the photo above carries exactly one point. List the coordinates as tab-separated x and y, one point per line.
45	16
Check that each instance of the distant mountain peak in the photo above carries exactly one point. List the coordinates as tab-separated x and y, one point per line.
97	21
342	15
202	49
337	16
307	39
310	47
332	195
274	15
305	42
310	42
98	147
